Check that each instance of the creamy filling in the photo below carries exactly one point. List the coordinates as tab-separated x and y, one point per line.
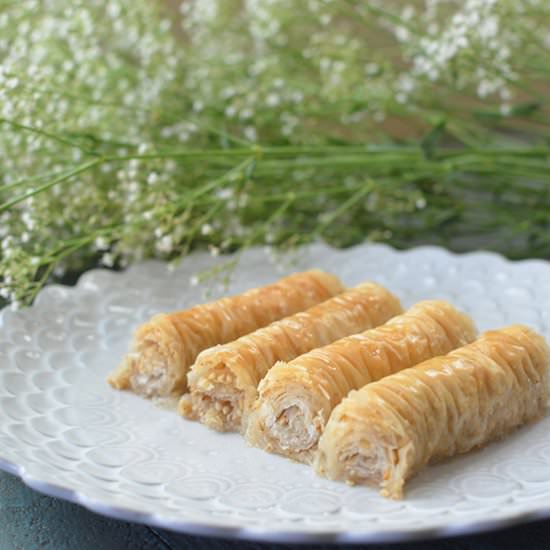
365	465
293	428
220	407
150	373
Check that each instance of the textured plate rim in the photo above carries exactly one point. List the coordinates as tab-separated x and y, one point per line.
452	529
273	535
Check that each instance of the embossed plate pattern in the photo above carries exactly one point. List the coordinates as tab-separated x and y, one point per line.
66	433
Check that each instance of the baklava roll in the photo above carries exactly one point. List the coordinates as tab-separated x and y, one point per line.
164	348
223	381
295	399
387	431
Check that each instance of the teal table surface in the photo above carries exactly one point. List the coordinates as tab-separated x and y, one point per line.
30	520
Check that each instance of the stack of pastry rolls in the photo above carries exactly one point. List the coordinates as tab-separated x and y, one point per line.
164	348
224	379
296	398
387	431
341	378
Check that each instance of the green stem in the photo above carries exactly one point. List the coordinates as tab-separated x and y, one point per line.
59	179
46	134
346	205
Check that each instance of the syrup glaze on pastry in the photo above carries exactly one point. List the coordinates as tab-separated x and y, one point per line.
223	380
387	431
164	348
296	398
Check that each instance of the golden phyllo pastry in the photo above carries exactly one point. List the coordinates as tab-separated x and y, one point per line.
223	381
295	399
164	348
387	431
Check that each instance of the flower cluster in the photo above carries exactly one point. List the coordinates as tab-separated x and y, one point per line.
468	48
76	79
131	130
342	68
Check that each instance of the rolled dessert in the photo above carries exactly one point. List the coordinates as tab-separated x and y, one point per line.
223	380
164	348
387	431
295	399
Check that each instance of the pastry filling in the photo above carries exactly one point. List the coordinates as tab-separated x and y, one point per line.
293	428
365	465
288	424
150	374
376	461
217	402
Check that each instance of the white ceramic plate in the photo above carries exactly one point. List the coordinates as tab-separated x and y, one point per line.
68	434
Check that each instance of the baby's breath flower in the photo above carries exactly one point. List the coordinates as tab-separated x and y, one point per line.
165	244
101	243
206	229
108	259
420	203
152	178
250	133
87	87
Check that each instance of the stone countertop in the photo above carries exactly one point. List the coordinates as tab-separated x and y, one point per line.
30	520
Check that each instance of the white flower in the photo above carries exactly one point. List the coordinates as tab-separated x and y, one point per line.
272	100
230	111
108	259
401	33
420	203
489	27
224	193
372	68
505	109
406	83
7	242
250	133
27	219
165	244
152	178
101	243
206	229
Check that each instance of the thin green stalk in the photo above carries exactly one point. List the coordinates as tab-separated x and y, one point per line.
59	179
31	179
346	205
46	134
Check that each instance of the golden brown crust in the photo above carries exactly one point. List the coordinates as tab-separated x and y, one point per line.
165	347
296	398
387	431
223	380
